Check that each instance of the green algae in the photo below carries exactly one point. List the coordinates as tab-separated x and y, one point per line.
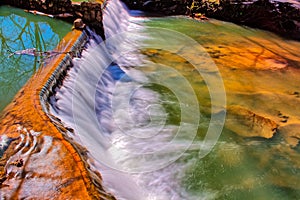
261	73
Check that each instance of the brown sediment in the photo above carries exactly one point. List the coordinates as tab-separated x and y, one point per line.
52	167
261	79
247	123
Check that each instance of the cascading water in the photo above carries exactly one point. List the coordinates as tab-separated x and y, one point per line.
119	119
134	102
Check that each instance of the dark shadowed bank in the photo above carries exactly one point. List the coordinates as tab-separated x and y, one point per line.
277	16
280	17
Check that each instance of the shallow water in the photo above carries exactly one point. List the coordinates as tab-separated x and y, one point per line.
20	30
261	74
153	117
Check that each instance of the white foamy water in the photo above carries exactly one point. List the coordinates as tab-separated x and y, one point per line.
121	122
295	3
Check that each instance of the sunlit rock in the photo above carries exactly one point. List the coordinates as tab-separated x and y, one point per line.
249	124
41	162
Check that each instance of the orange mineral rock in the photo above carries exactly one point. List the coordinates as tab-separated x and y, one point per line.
36	161
249	124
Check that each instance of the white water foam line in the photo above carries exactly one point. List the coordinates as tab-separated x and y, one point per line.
63	66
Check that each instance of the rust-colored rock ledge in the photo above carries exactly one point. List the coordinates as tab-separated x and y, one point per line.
37	162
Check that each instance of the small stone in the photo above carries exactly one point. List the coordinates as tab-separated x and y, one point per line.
284	120
78	24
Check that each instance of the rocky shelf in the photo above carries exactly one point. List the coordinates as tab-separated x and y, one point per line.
277	16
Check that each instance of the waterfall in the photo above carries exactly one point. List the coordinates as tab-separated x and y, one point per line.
121	122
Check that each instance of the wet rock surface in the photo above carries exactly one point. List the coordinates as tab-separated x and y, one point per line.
255	72
37	160
168	7
247	123
291	133
280	17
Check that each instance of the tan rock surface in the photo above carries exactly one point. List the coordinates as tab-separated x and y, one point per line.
247	123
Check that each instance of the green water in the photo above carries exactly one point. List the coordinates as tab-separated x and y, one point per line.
18	31
261	74
79	1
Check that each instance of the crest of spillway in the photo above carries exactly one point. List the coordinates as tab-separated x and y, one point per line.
103	101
